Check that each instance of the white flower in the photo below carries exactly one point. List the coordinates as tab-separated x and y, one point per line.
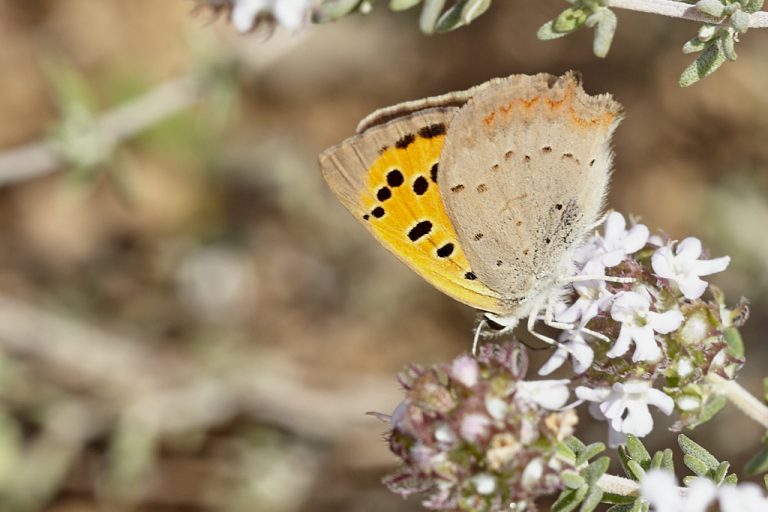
659	488
638	324
289	13
747	497
625	405
617	242
573	344
549	394
683	267
593	297
465	370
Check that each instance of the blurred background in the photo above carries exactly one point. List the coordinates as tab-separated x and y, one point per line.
189	320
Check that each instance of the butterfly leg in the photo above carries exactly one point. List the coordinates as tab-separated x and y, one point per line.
596	277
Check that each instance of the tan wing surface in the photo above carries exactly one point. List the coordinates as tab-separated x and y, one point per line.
387	178
525	171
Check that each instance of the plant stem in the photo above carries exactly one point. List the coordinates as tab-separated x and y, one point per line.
741	398
681	10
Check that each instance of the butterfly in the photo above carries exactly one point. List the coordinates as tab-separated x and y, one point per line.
485	193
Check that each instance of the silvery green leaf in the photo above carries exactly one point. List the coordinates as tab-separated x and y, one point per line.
758	463
604	31
451	19
637	451
592	500
570	19
712	7
572	480
710	408
547	32
690	447
430	13
734	342
474	9
569	499
667	461
596	469
696	465
740	20
752	5
729	47
331	10
721	472
588	452
401	5
731	479
707	32
695	45
706	64
635	469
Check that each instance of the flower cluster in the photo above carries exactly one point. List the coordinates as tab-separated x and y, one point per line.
475	436
655	325
659	488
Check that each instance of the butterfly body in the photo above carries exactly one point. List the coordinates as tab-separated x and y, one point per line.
485	193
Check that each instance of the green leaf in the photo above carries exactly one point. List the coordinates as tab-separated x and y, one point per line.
656	461
430	13
595	470
740	21
731	480
570	19
547	32
721	472
572	480
697	451
565	452
452	18
569	499
588	452
637	451
668	462
635	469
605	29
617	499
696	465
714	8
474	9
709	410
331	10
575	444
729	47
695	45
758	463
706	64
592	500
635	506
402	5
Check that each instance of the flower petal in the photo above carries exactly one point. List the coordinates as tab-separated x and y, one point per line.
692	287
614	227
638	421
665	322
554	362
660	400
621	346
636	238
689	249
646	348
707	267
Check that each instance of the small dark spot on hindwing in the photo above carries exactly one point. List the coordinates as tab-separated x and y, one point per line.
378	212
383	194
457	188
395	178
470	276
478	237
432	130
405	141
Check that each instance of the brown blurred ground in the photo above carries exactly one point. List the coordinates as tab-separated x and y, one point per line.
219	250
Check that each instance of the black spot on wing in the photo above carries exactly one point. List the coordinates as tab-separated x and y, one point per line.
470	276
419	230
378	212
433	173
383	194
395	178
446	250
420	186
432	130
405	141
